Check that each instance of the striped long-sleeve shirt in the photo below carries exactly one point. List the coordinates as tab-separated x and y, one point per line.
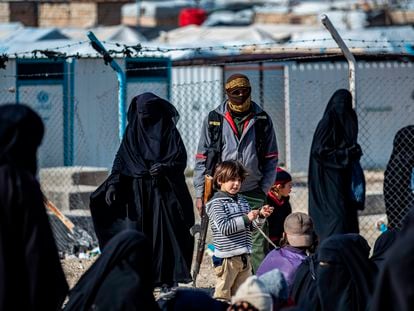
232	230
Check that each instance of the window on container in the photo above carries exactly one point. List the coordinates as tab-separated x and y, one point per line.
143	69
40	71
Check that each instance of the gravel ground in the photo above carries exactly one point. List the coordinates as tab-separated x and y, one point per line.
75	267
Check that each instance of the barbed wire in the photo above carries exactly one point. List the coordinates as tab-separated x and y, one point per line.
52	49
139	49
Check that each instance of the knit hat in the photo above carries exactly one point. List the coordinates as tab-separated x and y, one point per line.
282	177
254	291
276	285
299	229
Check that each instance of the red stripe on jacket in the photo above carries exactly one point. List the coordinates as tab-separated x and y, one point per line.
201	156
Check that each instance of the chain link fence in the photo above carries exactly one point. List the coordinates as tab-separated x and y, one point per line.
80	112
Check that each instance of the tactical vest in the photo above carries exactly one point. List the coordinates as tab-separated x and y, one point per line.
215	132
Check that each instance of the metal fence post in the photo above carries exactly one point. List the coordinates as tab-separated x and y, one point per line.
348	55
98	46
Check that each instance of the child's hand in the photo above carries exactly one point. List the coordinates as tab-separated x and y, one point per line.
266	211
252	215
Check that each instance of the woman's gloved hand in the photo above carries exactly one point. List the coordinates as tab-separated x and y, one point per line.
110	195
158	169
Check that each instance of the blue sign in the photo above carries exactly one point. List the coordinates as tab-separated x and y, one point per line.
43	101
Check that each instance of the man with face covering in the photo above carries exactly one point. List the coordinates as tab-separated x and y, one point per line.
334	148
31	277
147	191
246	134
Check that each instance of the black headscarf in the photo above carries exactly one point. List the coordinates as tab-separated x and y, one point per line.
30	270
398	194
346	280
150	137
394	289
21	132
382	246
334	147
120	279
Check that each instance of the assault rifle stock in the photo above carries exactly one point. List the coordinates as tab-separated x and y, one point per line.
201	228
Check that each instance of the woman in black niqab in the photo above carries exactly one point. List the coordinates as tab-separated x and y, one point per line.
333	149
120	279
398	192
345	275
147	190
30	270
340	276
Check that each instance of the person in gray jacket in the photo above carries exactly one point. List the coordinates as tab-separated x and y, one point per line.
241	130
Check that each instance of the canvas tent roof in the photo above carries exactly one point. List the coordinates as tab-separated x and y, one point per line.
199	35
119	33
376	39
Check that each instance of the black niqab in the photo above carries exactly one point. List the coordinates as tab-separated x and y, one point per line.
150	137
159	206
119	279
30	269
398	195
345	275
333	149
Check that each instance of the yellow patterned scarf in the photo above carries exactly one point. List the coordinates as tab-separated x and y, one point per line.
240	108
240	102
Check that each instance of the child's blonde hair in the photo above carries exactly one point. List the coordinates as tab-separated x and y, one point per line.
228	170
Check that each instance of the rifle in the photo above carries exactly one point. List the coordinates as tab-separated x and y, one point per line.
202	227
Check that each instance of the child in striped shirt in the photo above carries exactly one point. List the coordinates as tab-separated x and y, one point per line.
232	222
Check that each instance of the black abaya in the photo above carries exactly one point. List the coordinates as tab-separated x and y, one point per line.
151	192
31	277
339	277
304	288
334	147
398	194
119	279
395	287
382	246
345	275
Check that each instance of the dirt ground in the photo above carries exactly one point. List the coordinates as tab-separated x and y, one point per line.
75	267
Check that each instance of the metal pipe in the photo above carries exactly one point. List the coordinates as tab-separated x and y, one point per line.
98	46
348	55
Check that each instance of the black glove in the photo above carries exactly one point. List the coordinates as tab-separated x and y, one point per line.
158	169
355	152
110	195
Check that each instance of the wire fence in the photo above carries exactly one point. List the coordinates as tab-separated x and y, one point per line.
79	106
